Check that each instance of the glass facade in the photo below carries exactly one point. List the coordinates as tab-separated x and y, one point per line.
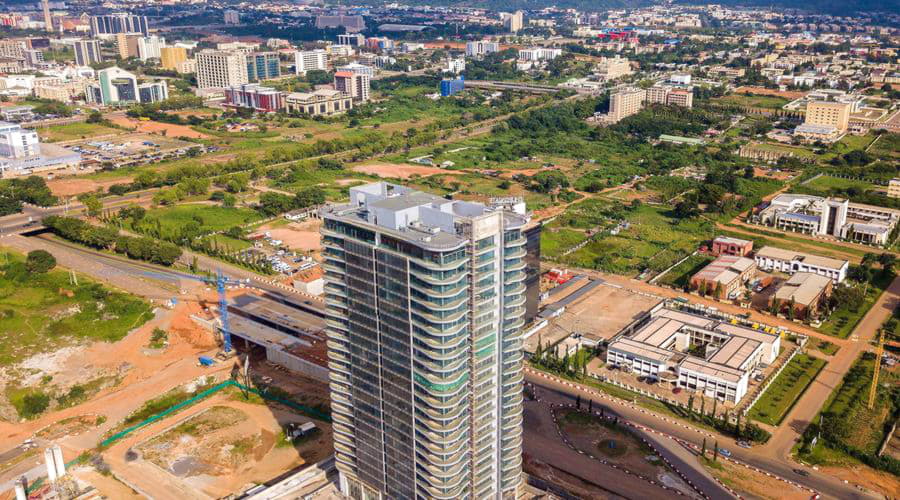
425	358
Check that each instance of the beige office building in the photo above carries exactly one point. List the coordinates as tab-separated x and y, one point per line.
894	188
221	69
625	103
828	114
323	102
613	67
127	44
170	57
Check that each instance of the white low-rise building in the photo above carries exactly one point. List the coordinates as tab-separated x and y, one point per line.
790	262
662	348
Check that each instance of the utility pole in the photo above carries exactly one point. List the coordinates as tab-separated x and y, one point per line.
873	391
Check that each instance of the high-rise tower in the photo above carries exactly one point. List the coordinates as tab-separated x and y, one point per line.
425	304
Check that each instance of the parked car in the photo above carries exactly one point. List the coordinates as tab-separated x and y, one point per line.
724	452
802	472
743	444
676	390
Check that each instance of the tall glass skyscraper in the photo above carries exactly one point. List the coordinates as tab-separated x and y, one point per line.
426	299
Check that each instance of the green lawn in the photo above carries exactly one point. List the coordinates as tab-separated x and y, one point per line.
825	183
37	315
209	218
654	240
753	101
680	275
786	389
74	131
843	320
556	241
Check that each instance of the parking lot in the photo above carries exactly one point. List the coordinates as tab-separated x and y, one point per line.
132	149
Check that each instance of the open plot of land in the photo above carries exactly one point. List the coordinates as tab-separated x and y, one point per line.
786	389
398	170
304	236
602	312
43	312
752	101
171	220
680	275
825	183
843	320
73	186
217	448
75	131
152	127
752	484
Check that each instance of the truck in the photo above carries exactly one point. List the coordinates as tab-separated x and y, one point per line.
296	431
206	361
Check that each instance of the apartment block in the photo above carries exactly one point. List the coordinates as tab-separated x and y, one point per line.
309	60
611	68
355	85
171	57
87	52
119	23
150	47
220	69
262	66
424	300
625	103
480	48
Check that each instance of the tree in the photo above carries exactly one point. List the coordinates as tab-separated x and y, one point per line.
93	205
703	449
34	403
40	261
95	117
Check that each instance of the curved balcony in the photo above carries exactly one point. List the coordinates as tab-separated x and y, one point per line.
445	493
517	252
511	401
515	266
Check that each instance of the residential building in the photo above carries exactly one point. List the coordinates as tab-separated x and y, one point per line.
149	47
661	347
357	69
611	68
455	66
539	54
66	91
513	22
17	142
238	46
119	23
13	49
724	277
624	103
255	97
127	44
351	39
231	17
171	57
424	300
153	92
220	69
87	52
309	60
833	217
322	102
188	66
802	296
17	114
894	188
354	85
263	66
790	262
726	245
451	86
670	95
681	97
482	47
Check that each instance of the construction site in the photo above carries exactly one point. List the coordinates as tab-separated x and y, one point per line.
221	389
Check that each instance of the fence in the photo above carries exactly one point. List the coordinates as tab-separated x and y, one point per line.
208	392
761	389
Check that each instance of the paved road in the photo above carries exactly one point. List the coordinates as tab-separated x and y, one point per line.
31	215
757	456
681	459
807	407
543	443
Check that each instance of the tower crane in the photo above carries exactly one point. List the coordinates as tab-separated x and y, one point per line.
873	391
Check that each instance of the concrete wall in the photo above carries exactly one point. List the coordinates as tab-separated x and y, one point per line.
296	364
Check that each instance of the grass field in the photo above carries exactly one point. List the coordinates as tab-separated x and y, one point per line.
74	131
556	241
786	389
753	101
843	320
210	218
825	183
38	315
862	428
654	240
850	142
680	275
